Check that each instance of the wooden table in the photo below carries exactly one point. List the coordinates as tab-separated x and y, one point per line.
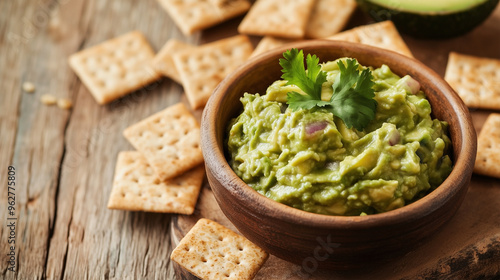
64	159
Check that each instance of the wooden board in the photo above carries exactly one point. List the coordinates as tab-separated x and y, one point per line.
64	159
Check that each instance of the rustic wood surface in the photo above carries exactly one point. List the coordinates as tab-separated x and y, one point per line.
64	159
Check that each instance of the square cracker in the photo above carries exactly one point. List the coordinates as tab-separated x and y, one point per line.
136	187
475	79
488	148
194	15
163	61
203	68
279	18
329	17
268	43
169	140
211	251
115	67
381	35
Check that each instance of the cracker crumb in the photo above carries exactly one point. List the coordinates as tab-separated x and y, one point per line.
28	87
64	103
48	99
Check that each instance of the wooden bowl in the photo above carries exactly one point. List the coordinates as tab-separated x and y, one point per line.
322	241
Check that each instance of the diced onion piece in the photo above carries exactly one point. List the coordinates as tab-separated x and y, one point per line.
315	126
394	139
413	85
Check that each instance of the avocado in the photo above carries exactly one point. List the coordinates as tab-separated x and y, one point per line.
430	18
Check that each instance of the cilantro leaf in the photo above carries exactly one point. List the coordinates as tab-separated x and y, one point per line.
352	99
310	82
354	105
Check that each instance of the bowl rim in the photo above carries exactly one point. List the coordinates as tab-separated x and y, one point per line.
214	155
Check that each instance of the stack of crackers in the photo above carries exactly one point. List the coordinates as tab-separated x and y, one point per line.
477	82
165	174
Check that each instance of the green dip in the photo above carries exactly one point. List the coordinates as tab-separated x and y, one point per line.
310	160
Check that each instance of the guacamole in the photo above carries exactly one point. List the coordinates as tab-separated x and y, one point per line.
310	160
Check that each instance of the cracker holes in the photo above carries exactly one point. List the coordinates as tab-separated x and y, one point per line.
101	83
122	194
227	274
205	88
239	247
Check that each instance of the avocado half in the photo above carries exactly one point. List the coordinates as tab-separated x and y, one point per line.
430	18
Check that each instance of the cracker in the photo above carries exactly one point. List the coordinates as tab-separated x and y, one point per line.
194	15
163	61
136	187
279	18
381	35
169	140
488	148
29	87
329	17
268	43
64	103
475	79
115	67
211	251
48	99
203	68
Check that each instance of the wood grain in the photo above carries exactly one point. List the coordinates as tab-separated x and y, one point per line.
65	159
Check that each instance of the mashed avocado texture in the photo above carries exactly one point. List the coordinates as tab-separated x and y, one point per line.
310	160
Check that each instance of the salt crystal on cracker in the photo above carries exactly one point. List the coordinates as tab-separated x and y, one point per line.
279	18
194	15
136	187
475	79
169	140
163	61
488	148
381	35
115	67
211	251
203	68
329	17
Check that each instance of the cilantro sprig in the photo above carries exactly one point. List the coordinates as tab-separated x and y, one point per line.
352	99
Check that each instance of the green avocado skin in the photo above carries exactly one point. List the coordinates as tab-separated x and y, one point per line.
431	26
